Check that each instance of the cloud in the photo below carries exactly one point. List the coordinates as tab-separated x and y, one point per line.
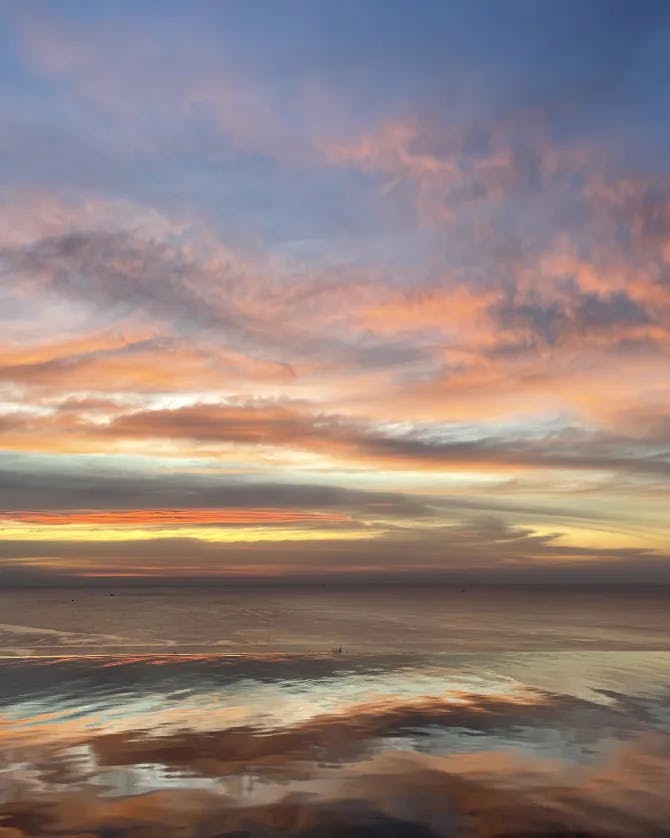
118	364
580	316
122	270
454	280
260	426
170	517
476	550
285	425
196	290
168	92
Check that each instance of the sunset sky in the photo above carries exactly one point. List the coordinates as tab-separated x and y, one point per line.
334	290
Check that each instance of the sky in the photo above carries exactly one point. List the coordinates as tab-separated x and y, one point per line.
334	291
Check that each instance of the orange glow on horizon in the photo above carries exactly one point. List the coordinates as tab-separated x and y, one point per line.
171	517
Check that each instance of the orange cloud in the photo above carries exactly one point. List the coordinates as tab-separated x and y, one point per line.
171	517
132	366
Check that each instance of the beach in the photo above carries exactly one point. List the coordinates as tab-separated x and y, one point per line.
540	733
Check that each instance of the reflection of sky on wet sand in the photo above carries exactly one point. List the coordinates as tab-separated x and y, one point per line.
242	741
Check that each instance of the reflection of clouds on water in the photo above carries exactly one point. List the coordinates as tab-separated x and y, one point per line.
485	794
445	744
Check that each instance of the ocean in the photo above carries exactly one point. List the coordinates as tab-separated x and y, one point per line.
232	712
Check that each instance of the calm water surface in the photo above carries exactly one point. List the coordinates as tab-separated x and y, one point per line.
305	620
449	712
